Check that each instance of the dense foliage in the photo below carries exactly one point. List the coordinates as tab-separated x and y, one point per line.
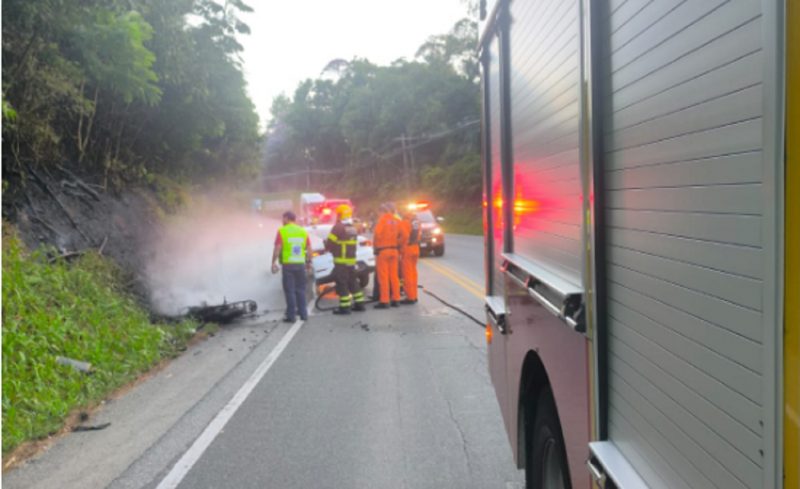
127	89
78	311
346	131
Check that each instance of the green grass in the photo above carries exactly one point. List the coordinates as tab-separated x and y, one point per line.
77	310
462	220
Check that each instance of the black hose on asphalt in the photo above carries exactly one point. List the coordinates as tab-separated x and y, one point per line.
327	290
454	307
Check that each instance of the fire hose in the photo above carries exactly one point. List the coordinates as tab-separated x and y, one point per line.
330	288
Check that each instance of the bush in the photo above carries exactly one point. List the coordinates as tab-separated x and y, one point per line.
77	310
172	195
457	183
467	219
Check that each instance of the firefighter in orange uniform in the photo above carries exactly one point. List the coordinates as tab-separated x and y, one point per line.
386	241
410	232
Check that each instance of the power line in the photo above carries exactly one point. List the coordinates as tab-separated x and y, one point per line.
304	172
407	147
436	136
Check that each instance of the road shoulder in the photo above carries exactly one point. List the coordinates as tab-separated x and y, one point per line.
178	400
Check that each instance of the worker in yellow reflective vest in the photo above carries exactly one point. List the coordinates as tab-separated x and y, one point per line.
292	250
342	243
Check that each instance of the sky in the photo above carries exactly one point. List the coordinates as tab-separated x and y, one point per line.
292	40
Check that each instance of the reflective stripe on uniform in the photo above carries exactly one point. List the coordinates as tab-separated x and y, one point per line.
344	261
341	258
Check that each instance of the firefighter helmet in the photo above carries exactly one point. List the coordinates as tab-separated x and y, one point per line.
344	212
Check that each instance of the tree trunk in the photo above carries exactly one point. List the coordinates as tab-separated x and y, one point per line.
83	139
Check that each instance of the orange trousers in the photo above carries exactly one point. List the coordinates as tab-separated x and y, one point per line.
409	271
386	266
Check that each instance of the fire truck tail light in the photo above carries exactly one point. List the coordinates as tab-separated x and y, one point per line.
522	206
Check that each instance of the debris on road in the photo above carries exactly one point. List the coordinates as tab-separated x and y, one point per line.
95	427
84	367
222	313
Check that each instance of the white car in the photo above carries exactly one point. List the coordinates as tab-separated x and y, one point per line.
322	260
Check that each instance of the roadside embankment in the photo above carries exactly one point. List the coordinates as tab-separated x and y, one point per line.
466	219
81	310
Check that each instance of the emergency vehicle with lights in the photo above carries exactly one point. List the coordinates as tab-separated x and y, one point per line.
315	208
642	240
432	235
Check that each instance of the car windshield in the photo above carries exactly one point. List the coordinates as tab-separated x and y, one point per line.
425	216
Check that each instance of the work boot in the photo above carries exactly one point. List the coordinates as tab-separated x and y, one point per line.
408	301
359	307
395	304
341	310
382	305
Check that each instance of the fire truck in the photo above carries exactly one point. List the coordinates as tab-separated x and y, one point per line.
642	240
315	208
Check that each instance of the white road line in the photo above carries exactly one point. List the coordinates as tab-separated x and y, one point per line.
213	429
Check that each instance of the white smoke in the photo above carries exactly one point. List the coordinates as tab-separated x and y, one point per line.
207	254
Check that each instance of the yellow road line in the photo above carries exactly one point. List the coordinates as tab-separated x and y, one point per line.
470	285
460	278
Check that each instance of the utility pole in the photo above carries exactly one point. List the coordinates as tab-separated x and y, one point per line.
413	165
308	170
405	161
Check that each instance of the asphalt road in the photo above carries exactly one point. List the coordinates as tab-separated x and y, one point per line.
399	398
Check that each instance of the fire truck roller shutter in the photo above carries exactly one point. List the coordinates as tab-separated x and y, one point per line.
690	152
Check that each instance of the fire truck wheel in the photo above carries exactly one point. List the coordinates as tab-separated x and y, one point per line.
546	464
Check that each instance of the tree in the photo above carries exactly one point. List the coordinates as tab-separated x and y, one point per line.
128	88
348	126
456	48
